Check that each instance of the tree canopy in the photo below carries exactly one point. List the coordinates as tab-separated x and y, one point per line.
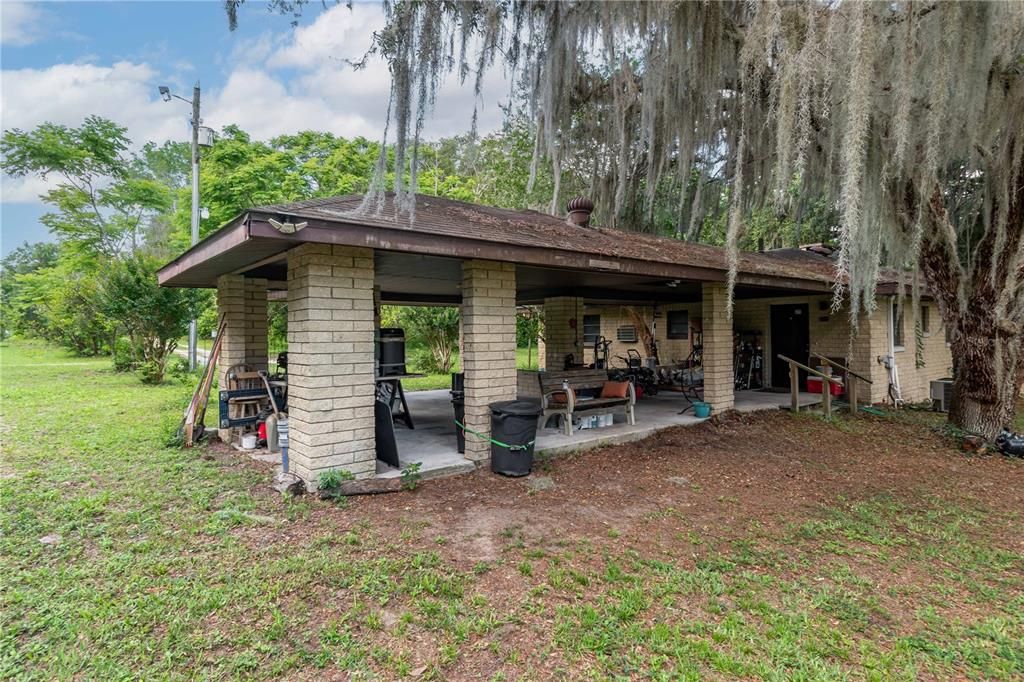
905	116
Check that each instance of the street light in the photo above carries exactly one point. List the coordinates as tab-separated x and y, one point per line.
196	121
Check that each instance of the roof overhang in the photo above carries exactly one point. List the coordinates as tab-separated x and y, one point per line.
249	243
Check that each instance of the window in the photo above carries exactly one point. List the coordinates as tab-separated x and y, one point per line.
591	329
925	319
678	324
897	326
626	334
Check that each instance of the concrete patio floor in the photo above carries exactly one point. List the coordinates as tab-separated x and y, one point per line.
432	442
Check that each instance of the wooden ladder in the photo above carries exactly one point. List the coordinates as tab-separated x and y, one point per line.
196	412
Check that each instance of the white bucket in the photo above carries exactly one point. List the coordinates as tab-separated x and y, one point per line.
249	441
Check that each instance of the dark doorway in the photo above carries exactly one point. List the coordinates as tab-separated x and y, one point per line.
791	336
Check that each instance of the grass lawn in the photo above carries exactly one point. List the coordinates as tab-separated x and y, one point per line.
432	381
764	547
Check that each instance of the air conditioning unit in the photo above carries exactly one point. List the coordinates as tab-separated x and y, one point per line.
941	392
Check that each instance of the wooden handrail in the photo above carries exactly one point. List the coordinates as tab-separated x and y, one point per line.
835	364
794	384
807	369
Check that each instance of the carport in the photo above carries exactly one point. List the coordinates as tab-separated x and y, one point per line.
338	265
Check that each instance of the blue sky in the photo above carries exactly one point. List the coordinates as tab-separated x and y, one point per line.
62	61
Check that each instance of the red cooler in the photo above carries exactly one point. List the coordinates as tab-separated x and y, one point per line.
814	385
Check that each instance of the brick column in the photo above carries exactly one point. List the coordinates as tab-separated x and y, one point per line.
718	370
560	338
231	310
256	344
330	361
489	345
242	304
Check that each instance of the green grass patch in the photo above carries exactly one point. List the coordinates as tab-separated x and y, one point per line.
435	381
122	558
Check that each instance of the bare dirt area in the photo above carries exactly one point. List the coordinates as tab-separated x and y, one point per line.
814	508
767	469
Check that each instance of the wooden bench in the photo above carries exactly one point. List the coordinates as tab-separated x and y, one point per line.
551	388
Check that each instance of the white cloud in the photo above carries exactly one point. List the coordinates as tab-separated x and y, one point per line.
279	83
264	107
325	93
24	190
67	93
20	23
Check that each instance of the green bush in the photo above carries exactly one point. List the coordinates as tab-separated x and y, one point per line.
330	481
125	358
178	367
151	372
420	359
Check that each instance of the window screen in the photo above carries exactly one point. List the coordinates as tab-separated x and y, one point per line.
897	325
591	329
926	323
678	324
626	334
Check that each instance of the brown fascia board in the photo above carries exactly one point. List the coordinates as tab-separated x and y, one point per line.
398	239
232	234
253	224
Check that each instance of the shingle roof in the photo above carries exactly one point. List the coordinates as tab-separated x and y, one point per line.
459	220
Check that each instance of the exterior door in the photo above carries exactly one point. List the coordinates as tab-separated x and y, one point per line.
791	336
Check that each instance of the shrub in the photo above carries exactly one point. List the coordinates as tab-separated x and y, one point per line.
151	372
330	481
125	357
178	367
153	317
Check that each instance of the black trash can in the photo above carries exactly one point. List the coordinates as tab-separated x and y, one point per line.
391	353
513	432
458	394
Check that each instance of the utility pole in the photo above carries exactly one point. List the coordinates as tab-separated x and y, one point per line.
197	122
193	327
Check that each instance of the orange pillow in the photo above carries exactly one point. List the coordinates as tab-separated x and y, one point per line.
615	389
559	397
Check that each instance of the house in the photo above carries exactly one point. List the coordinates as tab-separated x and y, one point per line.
337	265
786	325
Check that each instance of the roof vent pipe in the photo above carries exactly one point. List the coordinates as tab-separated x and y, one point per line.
580	209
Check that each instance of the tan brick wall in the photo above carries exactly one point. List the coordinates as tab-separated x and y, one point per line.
330	360
914	381
256	343
872	335
829	334
231	310
560	338
489	345
718	370
670	351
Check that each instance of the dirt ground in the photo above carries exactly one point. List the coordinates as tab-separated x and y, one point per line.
765	469
683	494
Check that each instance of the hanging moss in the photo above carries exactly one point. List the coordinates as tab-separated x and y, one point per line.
865	103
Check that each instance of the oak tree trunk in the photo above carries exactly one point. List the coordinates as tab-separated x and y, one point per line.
981	304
